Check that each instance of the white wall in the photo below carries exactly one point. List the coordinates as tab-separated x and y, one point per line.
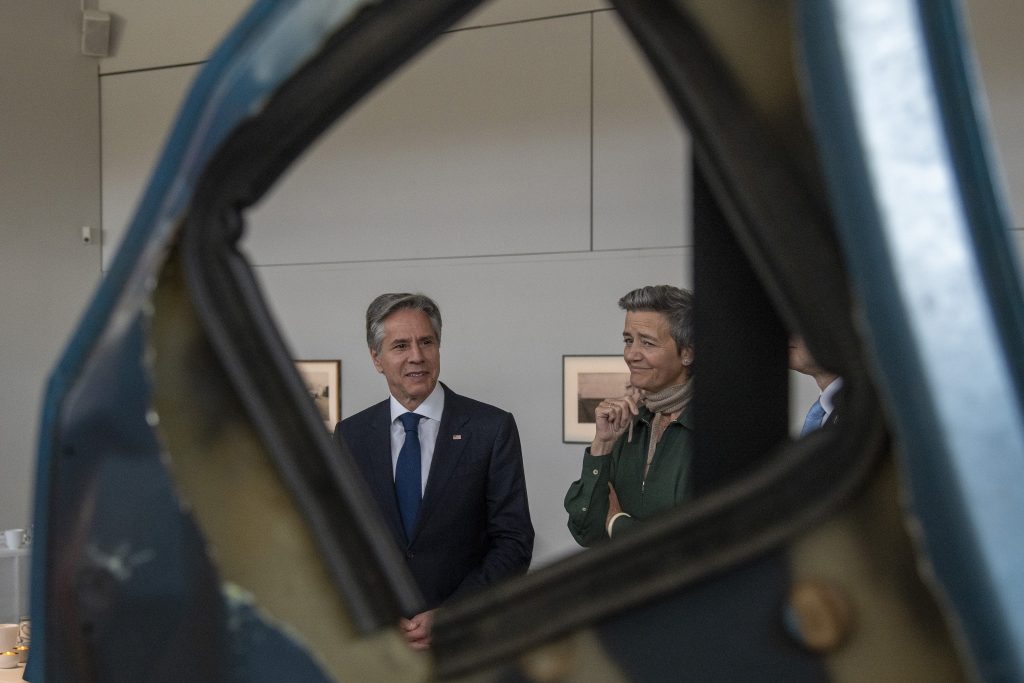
146	35
49	189
995	28
482	147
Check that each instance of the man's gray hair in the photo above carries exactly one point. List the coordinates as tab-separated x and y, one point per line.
674	303
386	304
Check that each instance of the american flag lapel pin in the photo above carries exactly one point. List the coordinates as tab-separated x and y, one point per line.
456	437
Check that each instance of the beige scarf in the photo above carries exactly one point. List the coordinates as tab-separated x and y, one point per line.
670	400
663	403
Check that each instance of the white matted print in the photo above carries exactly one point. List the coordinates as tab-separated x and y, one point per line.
586	381
323	384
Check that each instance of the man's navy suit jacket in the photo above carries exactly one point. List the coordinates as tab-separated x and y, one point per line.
474	526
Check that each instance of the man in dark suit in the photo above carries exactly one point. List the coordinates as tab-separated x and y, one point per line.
446	471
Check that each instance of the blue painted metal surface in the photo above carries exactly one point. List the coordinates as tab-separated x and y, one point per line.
99	394
927	246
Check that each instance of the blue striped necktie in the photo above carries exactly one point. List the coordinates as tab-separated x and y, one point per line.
814	417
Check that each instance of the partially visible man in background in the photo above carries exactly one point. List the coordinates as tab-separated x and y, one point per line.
829	383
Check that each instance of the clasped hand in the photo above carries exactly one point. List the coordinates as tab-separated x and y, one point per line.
417	631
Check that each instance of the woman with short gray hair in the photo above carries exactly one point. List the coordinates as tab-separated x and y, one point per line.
639	461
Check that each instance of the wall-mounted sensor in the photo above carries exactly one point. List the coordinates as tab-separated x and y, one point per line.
87	235
95	33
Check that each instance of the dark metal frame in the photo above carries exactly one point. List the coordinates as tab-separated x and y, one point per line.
768	208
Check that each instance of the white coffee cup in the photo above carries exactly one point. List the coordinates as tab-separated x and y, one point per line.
8	636
14	537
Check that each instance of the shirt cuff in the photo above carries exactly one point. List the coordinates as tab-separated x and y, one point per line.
611	522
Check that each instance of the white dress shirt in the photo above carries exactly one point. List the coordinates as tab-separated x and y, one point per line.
827	398
428	427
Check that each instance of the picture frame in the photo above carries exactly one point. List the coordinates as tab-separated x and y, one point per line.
323	383
586	381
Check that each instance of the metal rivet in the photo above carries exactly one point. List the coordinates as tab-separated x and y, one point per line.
583	510
819	615
596	472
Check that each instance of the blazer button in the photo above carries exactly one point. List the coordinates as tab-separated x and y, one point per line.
596	472
410	555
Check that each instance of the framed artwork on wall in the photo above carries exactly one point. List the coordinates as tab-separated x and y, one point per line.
586	381
323	383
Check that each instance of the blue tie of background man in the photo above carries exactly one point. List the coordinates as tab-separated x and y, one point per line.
813	419
408	485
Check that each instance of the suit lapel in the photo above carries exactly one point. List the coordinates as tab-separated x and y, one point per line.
447	452
380	465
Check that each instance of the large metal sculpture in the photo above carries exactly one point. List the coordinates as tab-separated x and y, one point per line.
827	557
